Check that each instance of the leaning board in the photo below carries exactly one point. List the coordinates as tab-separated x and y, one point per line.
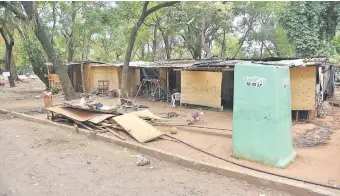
75	114
138	128
302	82
201	88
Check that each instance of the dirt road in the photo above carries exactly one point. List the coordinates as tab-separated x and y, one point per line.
42	160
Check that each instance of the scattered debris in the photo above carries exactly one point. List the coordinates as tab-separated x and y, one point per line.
196	116
34	111
173	130
142	160
146	114
126	102
313	137
99	121
172	115
333	183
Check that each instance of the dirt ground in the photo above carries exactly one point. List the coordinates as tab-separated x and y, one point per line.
43	160
317	162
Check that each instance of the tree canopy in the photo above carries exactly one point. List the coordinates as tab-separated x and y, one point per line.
129	31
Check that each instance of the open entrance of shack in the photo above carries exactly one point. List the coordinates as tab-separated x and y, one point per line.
227	90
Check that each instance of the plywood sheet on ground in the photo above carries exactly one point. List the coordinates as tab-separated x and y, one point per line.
302	82
201	88
138	128
146	114
75	114
100	118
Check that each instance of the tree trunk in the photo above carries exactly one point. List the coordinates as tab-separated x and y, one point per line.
82	76
198	49
270	53
125	73
132	39
277	50
14	71
117	57
9	51
71	36
245	36
8	56
223	47
261	51
154	41
41	34
70	50
36	58
204	43
166	44
142	51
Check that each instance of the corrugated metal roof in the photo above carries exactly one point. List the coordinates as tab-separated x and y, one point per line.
225	64
143	64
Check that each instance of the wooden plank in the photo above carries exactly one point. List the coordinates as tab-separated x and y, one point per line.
74	114
138	128
201	88
100	118
162	76
136	76
116	134
146	114
303	85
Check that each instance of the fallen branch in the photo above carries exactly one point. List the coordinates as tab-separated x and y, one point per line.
116	134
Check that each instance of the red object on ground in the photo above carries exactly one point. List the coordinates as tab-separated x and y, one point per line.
3	82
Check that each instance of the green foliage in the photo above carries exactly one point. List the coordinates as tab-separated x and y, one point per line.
54	91
311	26
100	31
284	48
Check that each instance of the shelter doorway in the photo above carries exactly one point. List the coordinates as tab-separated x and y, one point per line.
174	81
227	94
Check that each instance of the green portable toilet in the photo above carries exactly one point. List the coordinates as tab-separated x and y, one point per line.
262	122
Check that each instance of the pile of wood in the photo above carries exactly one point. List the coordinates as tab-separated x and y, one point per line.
136	123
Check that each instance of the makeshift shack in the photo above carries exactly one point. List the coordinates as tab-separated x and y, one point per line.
211	83
94	75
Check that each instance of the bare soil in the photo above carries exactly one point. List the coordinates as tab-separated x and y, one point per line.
43	160
318	162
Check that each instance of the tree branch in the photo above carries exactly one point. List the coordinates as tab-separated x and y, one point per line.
159	6
4	36
13	9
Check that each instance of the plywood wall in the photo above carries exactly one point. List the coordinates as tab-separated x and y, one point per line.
303	84
87	77
105	73
201	88
163	76
137	76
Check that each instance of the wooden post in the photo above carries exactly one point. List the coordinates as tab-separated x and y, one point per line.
82	76
167	84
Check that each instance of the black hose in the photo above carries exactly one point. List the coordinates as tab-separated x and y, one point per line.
194	127
254	169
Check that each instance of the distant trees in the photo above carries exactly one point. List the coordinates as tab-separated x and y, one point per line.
61	32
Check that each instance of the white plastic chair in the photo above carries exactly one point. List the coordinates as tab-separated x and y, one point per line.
175	97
